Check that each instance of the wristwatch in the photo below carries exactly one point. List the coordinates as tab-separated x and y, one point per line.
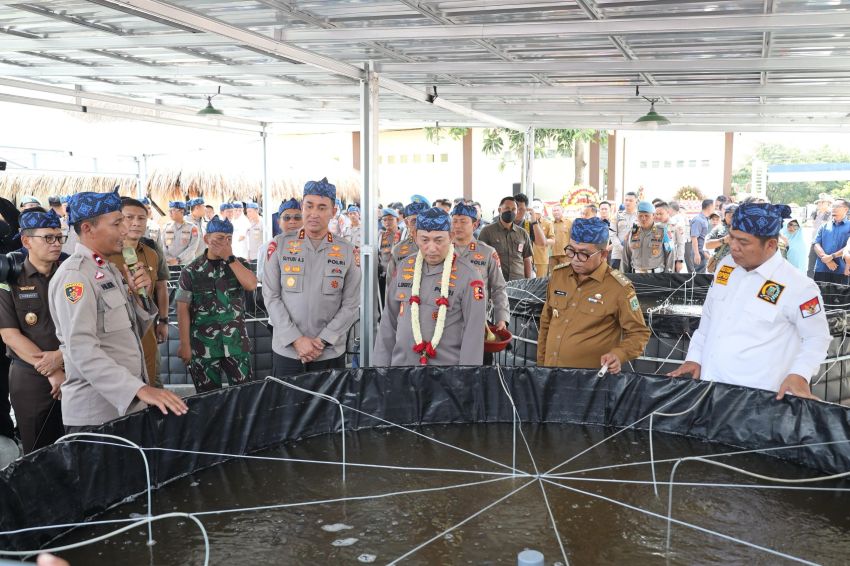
162	320
231	259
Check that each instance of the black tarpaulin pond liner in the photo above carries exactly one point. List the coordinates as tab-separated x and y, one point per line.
73	481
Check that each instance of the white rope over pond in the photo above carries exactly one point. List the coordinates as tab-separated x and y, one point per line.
562	480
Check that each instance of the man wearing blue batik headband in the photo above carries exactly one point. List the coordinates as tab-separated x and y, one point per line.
210	298
435	308
592	316
27	329
100	316
407	246
763	323
311	287
180	239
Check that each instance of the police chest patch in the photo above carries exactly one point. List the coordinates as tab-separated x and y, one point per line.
770	292
723	274
73	292
810	307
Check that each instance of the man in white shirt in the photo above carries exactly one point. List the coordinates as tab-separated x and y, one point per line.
763	323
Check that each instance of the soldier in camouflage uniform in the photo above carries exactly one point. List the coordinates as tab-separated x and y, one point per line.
210	312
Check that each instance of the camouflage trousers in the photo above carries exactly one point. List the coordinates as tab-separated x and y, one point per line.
207	373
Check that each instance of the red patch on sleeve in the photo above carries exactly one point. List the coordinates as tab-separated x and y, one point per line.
272	248
194	230
477	289
810	307
497	260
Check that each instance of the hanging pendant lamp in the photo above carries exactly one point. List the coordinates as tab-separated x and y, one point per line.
652	120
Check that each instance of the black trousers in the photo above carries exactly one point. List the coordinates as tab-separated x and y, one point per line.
7	428
831	277
38	414
812	259
284	367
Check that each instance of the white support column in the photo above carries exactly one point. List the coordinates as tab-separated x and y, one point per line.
528	164
141	176
368	209
268	207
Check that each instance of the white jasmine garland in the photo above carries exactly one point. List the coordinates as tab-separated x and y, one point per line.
443	308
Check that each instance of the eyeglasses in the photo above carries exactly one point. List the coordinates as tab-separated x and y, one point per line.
287	218
571	253
51	239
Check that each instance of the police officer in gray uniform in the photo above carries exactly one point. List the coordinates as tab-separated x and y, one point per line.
180	239
407	246
483	258
311	287
255	230
99	317
430	318
647	249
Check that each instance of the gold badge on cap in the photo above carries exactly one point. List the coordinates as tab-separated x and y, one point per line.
31	318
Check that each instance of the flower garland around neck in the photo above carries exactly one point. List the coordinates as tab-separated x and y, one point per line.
429	349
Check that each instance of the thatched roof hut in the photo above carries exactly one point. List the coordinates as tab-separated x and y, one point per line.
174	184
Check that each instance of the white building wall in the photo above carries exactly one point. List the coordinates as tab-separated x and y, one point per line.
663	162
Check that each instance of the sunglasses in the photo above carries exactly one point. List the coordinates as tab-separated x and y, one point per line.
288	218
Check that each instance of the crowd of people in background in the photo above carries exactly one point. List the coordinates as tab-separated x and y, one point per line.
83	319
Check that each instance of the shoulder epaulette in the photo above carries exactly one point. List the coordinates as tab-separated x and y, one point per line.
73	262
560	266
621	278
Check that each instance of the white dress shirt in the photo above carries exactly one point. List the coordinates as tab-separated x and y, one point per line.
759	326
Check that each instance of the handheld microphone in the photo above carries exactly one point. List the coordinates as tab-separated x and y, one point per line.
132	260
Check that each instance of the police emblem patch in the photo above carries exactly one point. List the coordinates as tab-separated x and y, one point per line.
271	250
290	282
478	292
723	274
73	292
810	307
770	292
634	304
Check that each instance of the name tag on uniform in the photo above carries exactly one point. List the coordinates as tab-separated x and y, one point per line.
107	286
561	293
23	296
520	247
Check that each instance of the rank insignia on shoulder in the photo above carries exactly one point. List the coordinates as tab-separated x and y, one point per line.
810	307
770	292
472	246
73	292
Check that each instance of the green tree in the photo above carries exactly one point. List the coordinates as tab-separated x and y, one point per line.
802	192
